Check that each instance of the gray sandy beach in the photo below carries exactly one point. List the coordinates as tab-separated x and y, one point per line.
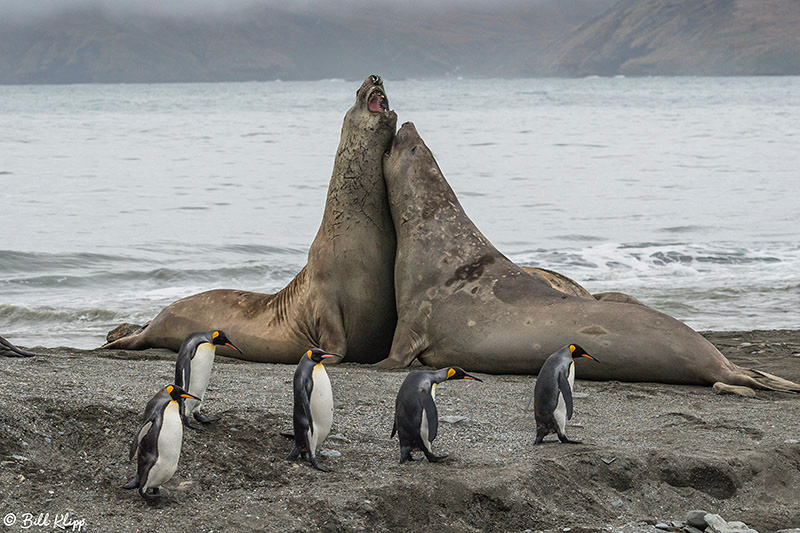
650	452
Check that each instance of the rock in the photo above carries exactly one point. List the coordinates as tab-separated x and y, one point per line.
791	441
723	388
616	503
715	522
737	525
19	457
452	419
677	524
792	530
330	453
338	436
186	485
662	526
691	529
696	518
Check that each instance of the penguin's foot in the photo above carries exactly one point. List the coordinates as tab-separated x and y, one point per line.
321	467
189	424
132	484
156	491
567	440
435	458
287	434
205	419
294	454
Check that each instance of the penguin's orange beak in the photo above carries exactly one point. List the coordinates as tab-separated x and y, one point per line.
231	345
467	376
191	396
329	355
586	355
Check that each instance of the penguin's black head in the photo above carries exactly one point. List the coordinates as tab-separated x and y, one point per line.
218	338
577	351
177	393
317	355
455	372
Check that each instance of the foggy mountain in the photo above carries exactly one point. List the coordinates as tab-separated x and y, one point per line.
90	42
685	37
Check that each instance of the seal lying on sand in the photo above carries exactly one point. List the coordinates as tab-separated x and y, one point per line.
461	302
343	299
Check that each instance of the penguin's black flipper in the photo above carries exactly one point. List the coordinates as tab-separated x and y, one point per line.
429	406
394	429
566	392
139	435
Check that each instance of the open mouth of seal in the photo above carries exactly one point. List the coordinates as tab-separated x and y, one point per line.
378	103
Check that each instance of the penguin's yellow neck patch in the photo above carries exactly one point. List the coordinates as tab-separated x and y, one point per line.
450	373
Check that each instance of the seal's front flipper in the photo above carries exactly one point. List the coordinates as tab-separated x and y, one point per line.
406	346
331	334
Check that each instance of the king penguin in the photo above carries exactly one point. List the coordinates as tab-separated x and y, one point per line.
313	406
552	394
416	420
193	370
158	440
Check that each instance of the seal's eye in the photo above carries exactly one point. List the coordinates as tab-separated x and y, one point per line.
414	150
376	79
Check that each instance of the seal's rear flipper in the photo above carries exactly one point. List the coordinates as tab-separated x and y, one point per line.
757	379
9	350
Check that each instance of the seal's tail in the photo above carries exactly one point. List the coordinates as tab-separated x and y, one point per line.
756	379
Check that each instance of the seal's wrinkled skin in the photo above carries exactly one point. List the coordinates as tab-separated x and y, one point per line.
342	301
462	303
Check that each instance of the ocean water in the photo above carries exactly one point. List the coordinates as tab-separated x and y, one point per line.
119	199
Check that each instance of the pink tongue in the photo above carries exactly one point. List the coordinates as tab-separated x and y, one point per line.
375	104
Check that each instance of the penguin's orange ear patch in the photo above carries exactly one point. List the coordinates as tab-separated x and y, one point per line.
571	348
451	373
169	389
308	353
215	335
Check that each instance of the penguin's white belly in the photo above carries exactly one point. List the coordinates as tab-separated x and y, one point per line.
321	403
423	430
169	448
202	363
560	414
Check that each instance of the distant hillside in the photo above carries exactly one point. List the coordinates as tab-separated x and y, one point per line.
685	37
525	38
265	43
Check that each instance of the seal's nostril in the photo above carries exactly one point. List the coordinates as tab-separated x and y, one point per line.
414	150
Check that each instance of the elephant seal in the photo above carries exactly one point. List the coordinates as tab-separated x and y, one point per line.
460	302
9	350
342	301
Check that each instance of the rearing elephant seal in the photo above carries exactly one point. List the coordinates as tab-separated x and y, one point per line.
343	300
462	303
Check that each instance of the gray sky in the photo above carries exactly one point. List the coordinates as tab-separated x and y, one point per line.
198	7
